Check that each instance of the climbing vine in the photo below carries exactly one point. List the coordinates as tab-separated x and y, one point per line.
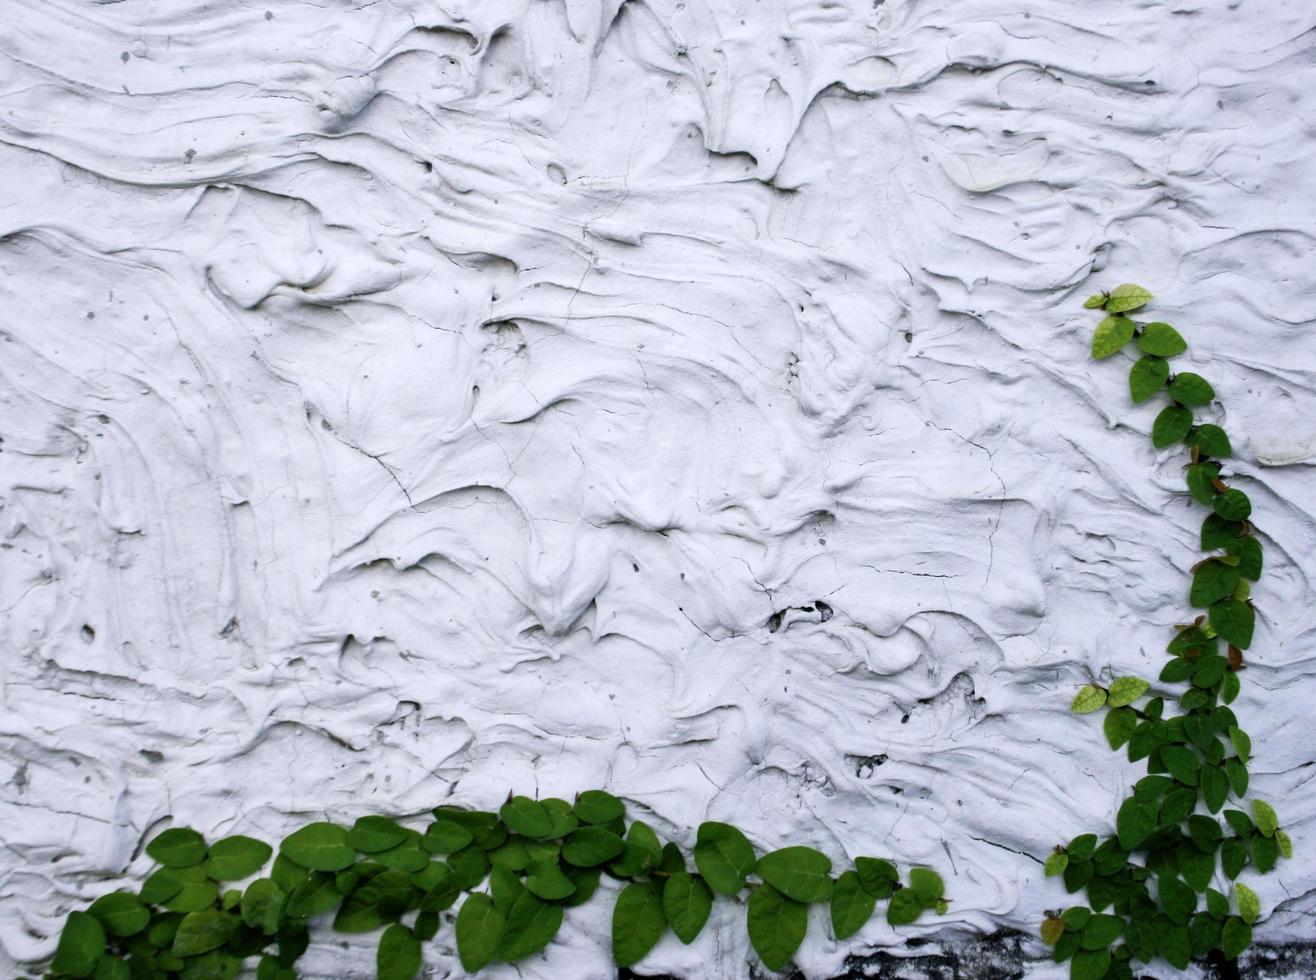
516	873
512	876
1168	833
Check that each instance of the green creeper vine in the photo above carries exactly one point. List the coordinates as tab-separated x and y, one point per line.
516	872
519	869
1197	757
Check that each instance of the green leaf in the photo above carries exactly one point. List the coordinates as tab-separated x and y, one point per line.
1230	689
641	835
1237	936
927	885
1265	854
389	891
426	926
1233	857
272	969
112	969
373	834
1205	832
1284	844
1161	340
293	940
81	945
1076	917
286	874
1090	964
320	847
1206	674
638	922
469	866
590	846
1081	847
160	886
1216	904
1088	699
548	882
904	907
1201	482
486	829
407	857
262	906
314	895
1110	858
178	847
1178	901
1240	823
777	925
446	837
687	902
1176	670
1111	335
564	820
852	905
1095	302
1197	867
1248	553
673	860
121	913
398	956
1101	931
1249	905
1236	771
1119	726
800	873
1233	505
1126	690
1212	582
596	806
1150	788
587	882
1211	440
1241	741
1147	376
643	852
878	876
724	857
237	857
528	818
1052	929
1235	621
1127	297
1267	820
200	932
479	930
1215	787
1056	863
1171	426
513	854
1191	389
193	896
442	893
1135	822
531	925
1182	763
1175	944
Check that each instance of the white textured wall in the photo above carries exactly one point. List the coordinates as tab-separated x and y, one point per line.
405	401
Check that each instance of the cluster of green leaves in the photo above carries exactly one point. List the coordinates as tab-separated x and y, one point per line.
1161	886
519	870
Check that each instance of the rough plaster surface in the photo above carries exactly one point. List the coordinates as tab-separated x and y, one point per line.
412	401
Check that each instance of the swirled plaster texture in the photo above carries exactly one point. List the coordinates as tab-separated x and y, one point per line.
413	401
